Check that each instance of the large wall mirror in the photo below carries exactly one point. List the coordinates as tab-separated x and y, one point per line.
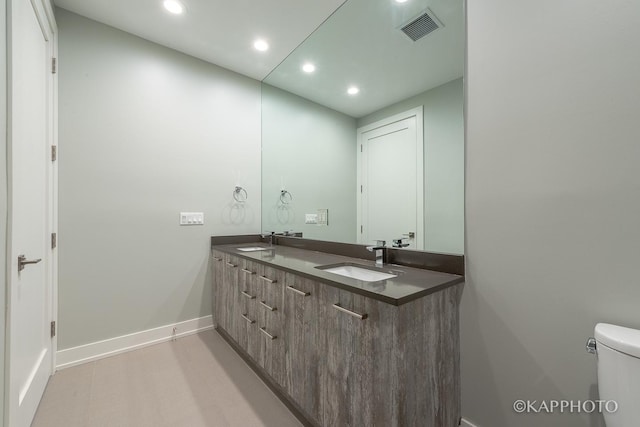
363	128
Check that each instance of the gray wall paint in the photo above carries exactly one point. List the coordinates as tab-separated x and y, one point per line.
552	200
3	191
443	163
312	149
145	132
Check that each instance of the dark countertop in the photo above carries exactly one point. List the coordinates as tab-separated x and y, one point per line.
410	283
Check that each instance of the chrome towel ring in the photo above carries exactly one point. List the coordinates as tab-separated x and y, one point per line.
240	194
285	197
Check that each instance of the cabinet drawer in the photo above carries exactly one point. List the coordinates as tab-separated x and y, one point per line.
271	340
245	307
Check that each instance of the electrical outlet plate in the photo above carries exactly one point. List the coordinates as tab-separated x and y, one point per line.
310	219
323	216
191	218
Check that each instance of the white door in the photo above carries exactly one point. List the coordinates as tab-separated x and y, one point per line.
30	138
391	180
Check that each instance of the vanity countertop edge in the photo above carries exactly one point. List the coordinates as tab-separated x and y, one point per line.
410	284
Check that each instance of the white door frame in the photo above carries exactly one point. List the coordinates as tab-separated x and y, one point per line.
418	114
46	19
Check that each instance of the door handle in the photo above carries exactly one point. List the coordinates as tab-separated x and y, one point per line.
22	262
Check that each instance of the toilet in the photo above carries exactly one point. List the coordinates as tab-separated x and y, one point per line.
618	350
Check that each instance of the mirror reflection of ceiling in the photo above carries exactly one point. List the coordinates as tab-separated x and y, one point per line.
218	31
362	45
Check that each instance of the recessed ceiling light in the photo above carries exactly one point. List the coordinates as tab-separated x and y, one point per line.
173	6
308	67
261	45
401	1
353	90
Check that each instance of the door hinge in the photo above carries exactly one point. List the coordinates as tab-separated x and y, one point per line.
53	329
54	240
361	229
361	148
361	189
54	153
54	65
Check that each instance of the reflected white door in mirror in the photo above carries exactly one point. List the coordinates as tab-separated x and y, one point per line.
391	180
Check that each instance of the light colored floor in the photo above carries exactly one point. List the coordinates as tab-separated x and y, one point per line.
194	381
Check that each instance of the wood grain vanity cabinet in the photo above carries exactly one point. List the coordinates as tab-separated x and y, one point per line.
271	340
340	358
304	355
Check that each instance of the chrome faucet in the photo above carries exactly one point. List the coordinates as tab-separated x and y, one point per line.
380	251
271	235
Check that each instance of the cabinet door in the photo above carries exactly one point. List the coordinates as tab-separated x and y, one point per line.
360	381
304	354
230	280
219	291
271	342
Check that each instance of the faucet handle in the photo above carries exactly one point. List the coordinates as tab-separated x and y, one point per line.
398	243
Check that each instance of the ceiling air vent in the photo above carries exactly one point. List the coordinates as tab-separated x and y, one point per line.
421	26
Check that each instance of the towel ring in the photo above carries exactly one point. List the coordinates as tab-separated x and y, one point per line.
240	194
285	197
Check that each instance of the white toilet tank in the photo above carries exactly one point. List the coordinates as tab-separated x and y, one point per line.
618	351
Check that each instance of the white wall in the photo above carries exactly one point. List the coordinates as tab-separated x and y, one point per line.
145	133
312	150
552	200
3	191
443	124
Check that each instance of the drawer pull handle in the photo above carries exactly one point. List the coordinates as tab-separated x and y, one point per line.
338	307
298	291
271	337
231	264
266	279
264	304
217	259
244	270
247	295
251	322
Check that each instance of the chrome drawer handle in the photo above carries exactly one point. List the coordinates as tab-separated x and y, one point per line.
251	322
247	295
264	331
266	279
298	291
217	259
231	264
338	307
244	270
264	304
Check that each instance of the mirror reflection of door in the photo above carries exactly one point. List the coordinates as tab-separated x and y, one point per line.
391	180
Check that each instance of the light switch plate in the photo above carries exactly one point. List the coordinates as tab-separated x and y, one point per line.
191	218
310	219
323	216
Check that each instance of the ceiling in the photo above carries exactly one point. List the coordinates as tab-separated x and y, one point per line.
357	42
362	45
217	31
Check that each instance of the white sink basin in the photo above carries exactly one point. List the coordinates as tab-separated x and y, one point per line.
253	249
360	273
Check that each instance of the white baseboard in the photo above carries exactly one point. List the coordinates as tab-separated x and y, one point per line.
110	347
467	423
